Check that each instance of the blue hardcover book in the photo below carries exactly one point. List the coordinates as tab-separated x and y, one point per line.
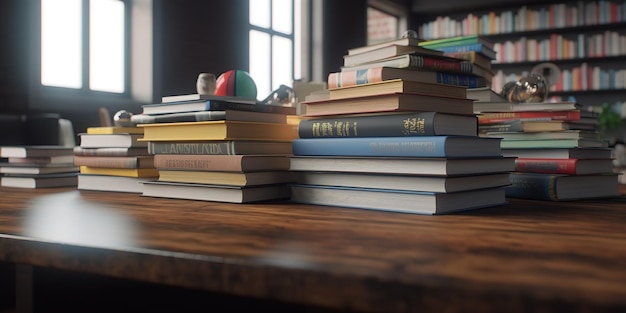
422	146
478	47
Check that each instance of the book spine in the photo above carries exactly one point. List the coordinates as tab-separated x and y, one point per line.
532	186
109	151
548	166
421	146
438	64
501	117
258	107
111	162
197	148
198	162
178	117
420	124
373	75
477	47
512	126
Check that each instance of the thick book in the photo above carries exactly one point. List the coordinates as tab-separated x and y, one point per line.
128	172
220	147
218	130
406	41
404	166
385	52
216	193
397	102
40	181
224	163
458	41
122	140
561	187
401	201
553	143
234	115
499	117
114	130
111	183
115	161
403	182
484	94
36	169
476	47
377	74
416	146
560	153
419	61
398	86
226	178
213	105
534	126
487	107
110	151
389	125
564	166
34	151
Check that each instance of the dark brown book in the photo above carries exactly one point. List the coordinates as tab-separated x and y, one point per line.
115	161
222	163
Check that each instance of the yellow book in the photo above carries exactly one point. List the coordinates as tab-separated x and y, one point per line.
114	130
219	130
127	172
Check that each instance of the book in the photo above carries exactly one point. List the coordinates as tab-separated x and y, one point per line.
115	161
397	86
560	187
385	52
564	166
389	125
110	151
220	147
553	143
376	74
565	134
498	117
128	172
195	96
234	115
218	130
121	140
114	130
457	41
407	41
505	106
472	56
476	47
416	146
484	94
534	126
226	178
560	153
401	201
403	182
30	169
397	102
221	193
57	159
404	166
34	151
418	61
111	183
40	181
224	163
213	105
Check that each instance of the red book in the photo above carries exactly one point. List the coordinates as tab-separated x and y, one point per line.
499	117
564	166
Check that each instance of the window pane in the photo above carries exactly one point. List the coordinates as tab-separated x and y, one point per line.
281	16
61	60
106	50
297	16
282	62
260	13
260	62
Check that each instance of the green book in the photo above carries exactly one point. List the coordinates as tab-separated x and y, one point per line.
457	41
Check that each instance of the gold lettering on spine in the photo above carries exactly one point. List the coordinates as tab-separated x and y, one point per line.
414	126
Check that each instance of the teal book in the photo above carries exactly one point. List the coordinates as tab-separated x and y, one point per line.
560	187
457	41
418	146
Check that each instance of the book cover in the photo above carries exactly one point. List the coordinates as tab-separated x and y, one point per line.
218	130
564	166
217	193
417	61
128	172
235	115
498	107
34	151
534	126
225	163
111	183
213	105
417	146
115	161
40	181
110	151
398	102
111	140
498	117
404	166
397	200
385	52
389	125
408	41
457	41
226	178
376	74
398	86
220	147
560	187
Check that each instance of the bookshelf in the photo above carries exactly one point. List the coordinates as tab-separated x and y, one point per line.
585	39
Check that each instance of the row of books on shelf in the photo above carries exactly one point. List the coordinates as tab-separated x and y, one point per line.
558	15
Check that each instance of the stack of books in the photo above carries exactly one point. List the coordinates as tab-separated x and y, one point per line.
113	159
215	148
559	152
37	166
397	145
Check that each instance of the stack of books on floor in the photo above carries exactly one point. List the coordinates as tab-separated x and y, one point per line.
113	159
37	166
214	148
559	152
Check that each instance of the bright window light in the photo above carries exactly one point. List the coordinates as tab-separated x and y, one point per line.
259	62
260	13
282	62
106	51
281	16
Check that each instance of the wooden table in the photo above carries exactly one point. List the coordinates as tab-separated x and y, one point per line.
526	256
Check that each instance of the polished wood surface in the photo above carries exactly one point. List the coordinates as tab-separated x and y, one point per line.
521	257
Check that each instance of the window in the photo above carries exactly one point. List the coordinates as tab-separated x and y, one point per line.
274	43
83	45
385	21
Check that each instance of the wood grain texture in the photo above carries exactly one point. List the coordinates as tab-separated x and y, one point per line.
526	256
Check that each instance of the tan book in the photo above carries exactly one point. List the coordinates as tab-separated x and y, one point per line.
226	178
219	130
222	163
115	161
114	130
217	147
119	140
398	86
128	172
385	52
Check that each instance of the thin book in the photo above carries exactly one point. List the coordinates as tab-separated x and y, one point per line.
348	78
385	52
218	130
213	105
398	86
216	193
